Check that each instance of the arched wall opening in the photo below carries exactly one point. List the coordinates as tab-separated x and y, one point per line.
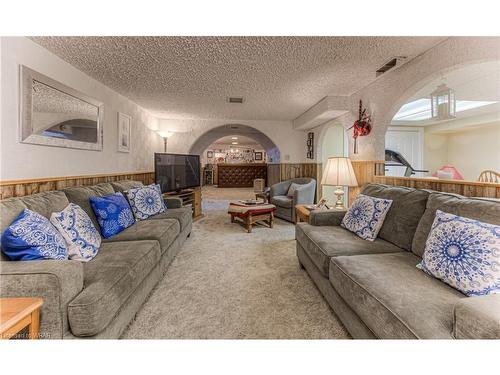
212	135
333	142
466	144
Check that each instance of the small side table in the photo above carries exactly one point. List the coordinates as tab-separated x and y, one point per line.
18	313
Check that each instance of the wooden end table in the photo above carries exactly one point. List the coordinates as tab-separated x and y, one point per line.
19	313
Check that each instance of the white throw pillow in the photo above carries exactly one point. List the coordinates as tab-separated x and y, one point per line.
464	253
79	232
366	216
146	201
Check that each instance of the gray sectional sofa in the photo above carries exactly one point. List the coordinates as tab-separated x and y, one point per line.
375	288
97	299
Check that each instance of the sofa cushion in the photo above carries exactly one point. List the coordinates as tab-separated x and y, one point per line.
408	206
322	243
483	210
282	201
394	298
121	186
183	215
109	279
46	203
165	231
81	195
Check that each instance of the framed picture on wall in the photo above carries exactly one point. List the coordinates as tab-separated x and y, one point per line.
124	128
258	156
210	154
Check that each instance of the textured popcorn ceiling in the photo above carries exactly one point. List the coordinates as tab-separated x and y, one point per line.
191	77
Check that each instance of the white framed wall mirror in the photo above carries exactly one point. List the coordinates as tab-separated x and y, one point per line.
53	114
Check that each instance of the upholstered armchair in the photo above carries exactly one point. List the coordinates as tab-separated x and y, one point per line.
285	204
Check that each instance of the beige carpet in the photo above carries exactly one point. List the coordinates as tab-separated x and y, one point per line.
229	284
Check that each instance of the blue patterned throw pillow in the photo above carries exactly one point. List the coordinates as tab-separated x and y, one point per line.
464	253
113	213
81	236
31	236
146	201
366	216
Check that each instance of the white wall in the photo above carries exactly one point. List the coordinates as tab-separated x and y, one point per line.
20	161
471	150
292	143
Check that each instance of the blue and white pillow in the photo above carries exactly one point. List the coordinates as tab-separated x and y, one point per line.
366	216
81	236
31	236
113	213
146	201
464	253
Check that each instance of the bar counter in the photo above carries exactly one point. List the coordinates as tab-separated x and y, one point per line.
240	174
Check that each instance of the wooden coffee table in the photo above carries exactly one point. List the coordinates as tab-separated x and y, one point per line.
18	313
252	214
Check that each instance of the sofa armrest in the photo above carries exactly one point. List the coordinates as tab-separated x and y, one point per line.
56	281
477	317
326	217
173	202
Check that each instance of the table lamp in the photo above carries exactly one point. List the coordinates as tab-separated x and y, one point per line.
339	172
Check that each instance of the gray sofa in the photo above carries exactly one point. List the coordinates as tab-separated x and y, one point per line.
285	205
97	299
375	288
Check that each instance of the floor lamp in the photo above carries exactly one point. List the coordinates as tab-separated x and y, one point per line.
165	134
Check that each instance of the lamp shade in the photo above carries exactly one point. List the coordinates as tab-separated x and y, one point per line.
165	133
339	172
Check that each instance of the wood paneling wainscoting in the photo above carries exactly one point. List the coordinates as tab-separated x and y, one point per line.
365	171
465	188
19	188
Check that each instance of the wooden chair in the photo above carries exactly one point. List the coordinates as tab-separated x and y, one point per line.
489	176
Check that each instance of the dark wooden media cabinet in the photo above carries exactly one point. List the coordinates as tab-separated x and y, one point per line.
240	175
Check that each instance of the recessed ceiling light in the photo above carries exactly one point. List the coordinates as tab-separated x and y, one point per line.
234	143
234	137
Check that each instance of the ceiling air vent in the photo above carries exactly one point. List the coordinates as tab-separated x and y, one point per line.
235	99
395	61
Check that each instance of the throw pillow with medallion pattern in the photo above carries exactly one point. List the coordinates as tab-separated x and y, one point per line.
31	236
464	253
113	213
146	201
81	236
366	216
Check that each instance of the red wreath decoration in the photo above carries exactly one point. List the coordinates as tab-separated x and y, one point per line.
362	126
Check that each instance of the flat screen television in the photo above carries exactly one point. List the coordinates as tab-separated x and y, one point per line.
175	172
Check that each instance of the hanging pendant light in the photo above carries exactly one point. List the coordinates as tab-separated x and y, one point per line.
443	103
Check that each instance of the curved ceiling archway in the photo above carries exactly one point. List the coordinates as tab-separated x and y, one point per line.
209	137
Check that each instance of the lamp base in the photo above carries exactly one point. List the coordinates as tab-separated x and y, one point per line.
339	192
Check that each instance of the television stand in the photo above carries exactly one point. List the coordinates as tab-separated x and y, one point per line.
190	197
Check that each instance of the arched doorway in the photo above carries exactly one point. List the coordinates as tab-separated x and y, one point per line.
333	143
457	147
205	140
